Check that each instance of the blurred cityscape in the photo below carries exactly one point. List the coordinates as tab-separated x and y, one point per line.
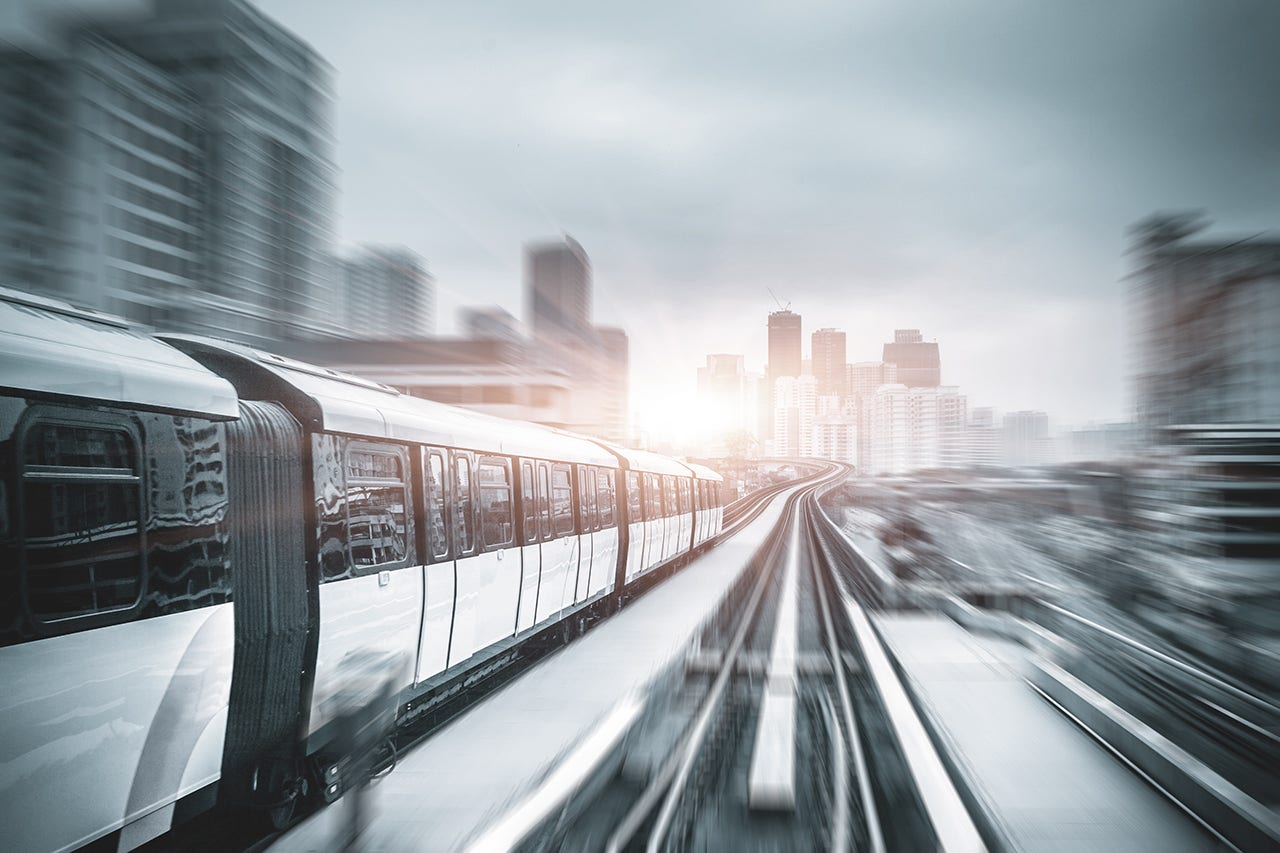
178	169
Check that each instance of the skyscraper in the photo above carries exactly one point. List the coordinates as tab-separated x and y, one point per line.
557	277
99	198
914	428
784	345
183	166
1026	439
557	285
264	98
390	283
491	323
919	365
1208	326
1208	390
829	366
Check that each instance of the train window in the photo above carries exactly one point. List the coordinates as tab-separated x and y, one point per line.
587	498
604	493
669	506
437	532
497	527
634	512
682	496
686	494
653	497
561	500
544	502
463	520
83	539
377	497
528	503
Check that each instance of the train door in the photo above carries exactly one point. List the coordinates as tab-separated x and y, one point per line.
704	512
438	571
370	579
699	526
671	510
497	574
468	574
684	499
588	522
604	559
560	553
635	524
530	550
653	521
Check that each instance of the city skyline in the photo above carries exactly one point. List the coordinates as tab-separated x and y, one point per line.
955	207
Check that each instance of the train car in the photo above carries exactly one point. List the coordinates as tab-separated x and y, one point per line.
706	500
432	533
209	554
659	515
116	623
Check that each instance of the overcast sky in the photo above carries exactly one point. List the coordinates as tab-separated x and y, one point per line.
965	168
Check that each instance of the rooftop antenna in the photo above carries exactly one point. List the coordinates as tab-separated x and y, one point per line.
781	307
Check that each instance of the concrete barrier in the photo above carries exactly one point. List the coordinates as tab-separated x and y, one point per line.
1237	817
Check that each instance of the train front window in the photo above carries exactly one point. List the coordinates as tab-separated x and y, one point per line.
83	533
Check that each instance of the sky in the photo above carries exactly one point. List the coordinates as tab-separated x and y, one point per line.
968	169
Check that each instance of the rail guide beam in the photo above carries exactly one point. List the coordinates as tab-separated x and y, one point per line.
772	783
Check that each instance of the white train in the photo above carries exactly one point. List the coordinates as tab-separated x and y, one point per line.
203	546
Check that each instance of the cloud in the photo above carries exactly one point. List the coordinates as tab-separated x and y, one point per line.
966	168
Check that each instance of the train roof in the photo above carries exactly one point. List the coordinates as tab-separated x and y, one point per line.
702	472
53	348
338	402
654	463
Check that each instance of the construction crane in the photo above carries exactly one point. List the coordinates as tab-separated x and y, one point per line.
781	307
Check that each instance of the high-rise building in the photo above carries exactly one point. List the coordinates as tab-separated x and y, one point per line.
389	283
864	377
557	284
784	345
794	411
183	167
918	362
557	277
1208	390
1026	439
614	388
726	401
100	194
915	428
835	437
490	323
1207	326
829	366
982	440
265	101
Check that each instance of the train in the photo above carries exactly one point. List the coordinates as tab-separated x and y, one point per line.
205	549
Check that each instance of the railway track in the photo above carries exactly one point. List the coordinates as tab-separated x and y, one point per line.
1231	729
777	733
